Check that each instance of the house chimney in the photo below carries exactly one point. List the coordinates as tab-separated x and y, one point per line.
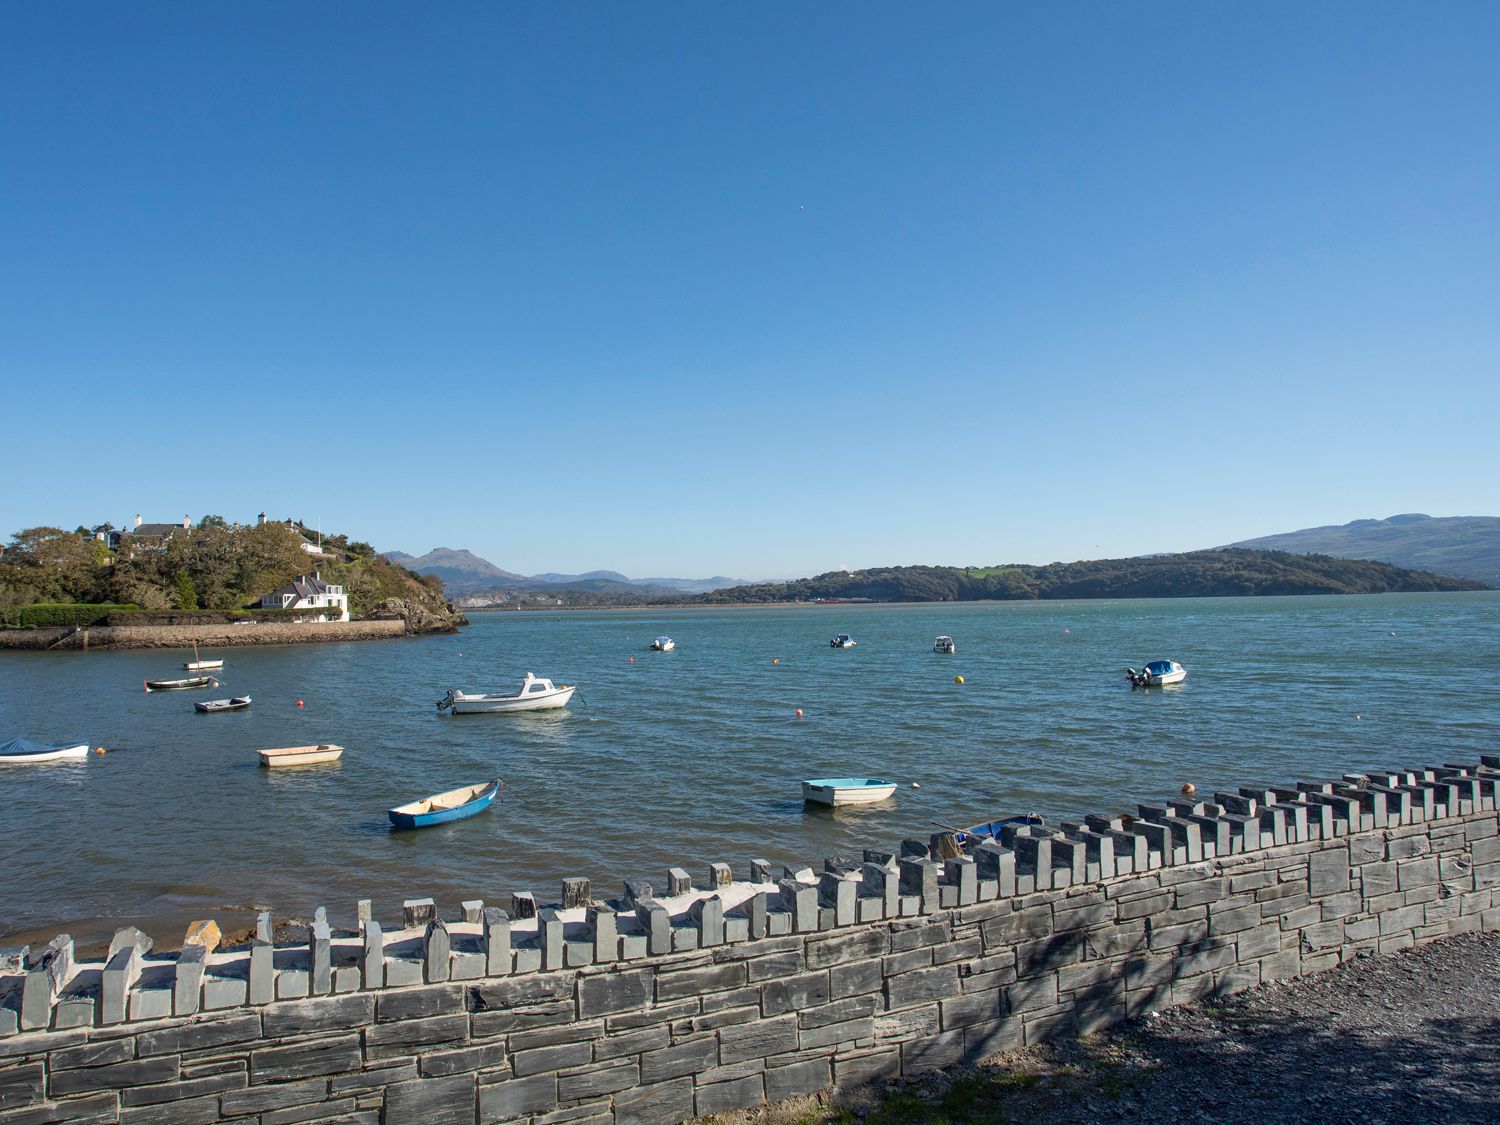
186	523
263	517
137	519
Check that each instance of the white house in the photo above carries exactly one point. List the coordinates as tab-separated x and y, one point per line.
330	602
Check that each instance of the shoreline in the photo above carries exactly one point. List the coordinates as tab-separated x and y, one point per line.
119	638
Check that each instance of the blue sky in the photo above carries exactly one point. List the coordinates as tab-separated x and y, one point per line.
760	290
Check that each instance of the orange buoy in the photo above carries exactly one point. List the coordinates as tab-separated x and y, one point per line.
799	712
775	660
98	749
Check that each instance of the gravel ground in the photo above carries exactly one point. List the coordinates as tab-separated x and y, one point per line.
1412	1036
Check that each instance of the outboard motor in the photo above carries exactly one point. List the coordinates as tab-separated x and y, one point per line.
446	702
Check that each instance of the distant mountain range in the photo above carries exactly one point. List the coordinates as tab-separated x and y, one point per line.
465	573
1459	546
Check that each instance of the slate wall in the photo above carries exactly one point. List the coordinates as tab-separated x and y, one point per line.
216	636
656	1007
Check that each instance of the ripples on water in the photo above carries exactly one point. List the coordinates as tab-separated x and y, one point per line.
693	756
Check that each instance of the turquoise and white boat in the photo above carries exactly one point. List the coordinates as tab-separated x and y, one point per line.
847	790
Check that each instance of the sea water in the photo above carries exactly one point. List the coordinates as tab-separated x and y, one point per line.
694	756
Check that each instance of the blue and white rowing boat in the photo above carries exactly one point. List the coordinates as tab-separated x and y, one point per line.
990	830
21	750
847	790
456	804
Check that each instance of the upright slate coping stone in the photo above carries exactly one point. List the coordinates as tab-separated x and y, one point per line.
604	932
575	893
417	912
657	924
496	934
800	900
187	983
436	947
372	955
550	933
262	987
320	948
708	915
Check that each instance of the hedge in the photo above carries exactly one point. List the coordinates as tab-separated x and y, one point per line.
45	615
212	616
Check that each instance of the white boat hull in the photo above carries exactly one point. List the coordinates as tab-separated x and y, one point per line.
490	704
65	752
300	755
203	665
1170	678
846	795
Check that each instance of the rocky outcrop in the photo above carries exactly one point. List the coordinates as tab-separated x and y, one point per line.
420	618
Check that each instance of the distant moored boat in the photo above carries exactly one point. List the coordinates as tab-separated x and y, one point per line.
179	685
212	706
1157	674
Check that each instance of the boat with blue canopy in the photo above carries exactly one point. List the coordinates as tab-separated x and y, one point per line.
1157	674
456	804
18	750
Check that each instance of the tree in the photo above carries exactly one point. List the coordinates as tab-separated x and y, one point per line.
213	521
187	596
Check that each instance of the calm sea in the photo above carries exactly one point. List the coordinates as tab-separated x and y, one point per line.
694	756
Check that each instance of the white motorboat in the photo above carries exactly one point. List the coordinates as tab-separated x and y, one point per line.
944	644
663	644
847	790
535	695
1158	673
21	750
843	640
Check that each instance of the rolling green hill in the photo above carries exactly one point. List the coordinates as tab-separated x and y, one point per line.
1461	546
1220	573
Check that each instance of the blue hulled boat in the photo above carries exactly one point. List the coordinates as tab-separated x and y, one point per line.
990	830
456	804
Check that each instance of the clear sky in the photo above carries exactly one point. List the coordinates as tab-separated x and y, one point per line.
751	289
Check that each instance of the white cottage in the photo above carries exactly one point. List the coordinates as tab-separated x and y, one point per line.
330	603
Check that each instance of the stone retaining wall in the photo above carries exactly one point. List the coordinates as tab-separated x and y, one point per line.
215	636
686	999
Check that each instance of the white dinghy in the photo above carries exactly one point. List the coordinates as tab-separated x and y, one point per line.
847	790
18	750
